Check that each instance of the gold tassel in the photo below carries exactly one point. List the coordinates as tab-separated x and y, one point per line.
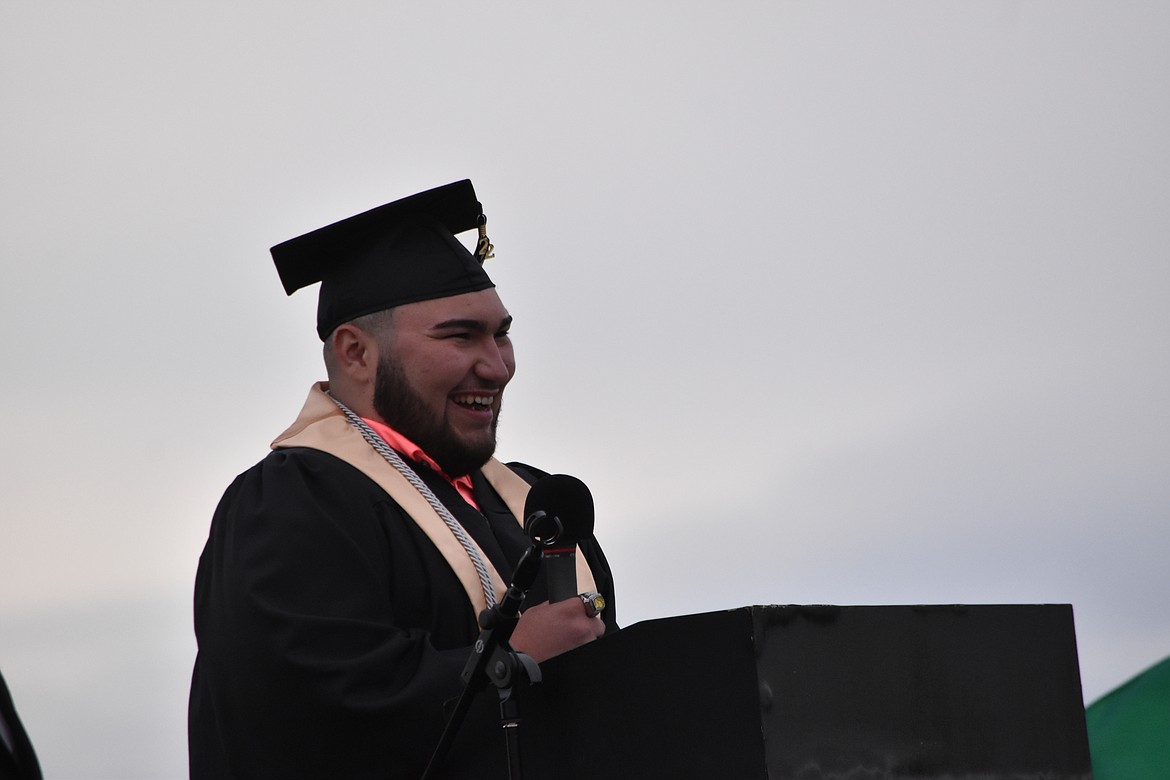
484	248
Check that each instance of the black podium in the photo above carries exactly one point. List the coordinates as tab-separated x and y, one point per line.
809	692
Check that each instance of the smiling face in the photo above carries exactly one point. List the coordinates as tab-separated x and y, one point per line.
441	375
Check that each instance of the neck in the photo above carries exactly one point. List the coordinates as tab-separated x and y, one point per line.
361	404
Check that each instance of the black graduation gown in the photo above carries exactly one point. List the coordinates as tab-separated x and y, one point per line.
331	630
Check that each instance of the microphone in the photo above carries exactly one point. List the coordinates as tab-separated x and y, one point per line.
558	513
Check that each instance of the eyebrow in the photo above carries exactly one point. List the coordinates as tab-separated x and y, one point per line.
479	326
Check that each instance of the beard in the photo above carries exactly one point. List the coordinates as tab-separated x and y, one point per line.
397	403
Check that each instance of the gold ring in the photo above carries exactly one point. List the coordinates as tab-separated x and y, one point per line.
594	603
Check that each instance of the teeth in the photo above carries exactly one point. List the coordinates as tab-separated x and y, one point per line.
474	400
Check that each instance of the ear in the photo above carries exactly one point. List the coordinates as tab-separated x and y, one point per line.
355	354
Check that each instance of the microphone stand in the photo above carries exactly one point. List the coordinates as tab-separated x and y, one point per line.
493	660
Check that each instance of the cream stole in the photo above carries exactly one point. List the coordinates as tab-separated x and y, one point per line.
322	426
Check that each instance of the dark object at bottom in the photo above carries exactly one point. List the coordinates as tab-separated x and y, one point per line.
18	760
891	692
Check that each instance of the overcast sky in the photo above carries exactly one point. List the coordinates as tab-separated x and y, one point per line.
828	303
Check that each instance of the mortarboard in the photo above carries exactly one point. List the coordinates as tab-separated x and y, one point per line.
401	252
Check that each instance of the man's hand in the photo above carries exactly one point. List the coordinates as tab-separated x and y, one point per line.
551	629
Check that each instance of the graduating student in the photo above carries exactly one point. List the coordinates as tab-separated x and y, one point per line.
337	596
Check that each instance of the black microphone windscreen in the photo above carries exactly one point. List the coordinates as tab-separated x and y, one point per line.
566	498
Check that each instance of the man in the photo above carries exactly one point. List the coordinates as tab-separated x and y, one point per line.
336	599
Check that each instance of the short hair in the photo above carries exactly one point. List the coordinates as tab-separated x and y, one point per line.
378	325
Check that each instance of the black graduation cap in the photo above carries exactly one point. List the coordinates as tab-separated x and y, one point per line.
401	252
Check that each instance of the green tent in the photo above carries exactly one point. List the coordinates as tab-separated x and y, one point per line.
1129	728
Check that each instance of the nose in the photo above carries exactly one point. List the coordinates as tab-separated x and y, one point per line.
496	364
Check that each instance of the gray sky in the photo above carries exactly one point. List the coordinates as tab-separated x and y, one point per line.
828	303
